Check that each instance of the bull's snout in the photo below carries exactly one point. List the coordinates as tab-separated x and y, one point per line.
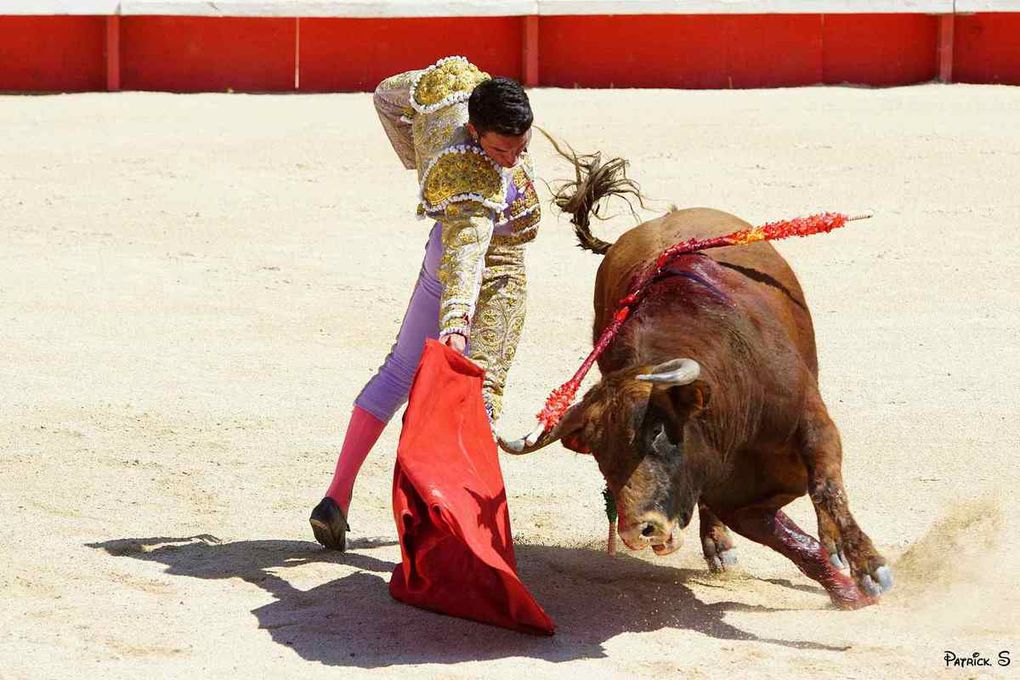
651	529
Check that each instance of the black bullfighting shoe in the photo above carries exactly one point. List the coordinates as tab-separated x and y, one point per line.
329	525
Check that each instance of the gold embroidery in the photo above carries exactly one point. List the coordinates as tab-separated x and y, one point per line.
525	231
462	174
527	197
467	230
499	319
447	81
523	214
439	130
520	179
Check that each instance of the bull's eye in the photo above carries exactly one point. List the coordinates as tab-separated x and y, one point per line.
661	445
655	437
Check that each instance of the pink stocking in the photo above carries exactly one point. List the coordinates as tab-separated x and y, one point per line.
362	432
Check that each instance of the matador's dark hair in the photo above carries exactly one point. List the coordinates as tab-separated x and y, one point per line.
500	105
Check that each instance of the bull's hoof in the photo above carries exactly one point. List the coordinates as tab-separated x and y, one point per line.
722	561
873	576
878	582
868	568
846	594
836	557
885	578
836	560
720	554
329	525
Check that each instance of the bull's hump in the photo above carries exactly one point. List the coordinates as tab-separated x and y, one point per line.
635	252
681	225
646	241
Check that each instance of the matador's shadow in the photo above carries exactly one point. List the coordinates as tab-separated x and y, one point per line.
352	621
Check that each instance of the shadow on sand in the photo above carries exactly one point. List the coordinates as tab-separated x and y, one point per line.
352	621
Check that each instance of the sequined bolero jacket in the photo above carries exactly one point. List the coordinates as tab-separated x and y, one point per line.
481	205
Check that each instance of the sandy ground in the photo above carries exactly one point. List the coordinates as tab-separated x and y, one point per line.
194	288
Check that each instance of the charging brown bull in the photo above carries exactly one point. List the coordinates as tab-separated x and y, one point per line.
709	400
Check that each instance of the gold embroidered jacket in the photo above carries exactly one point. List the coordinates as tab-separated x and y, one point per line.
482	206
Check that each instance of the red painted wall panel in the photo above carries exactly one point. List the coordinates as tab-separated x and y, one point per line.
355	54
191	54
196	54
987	48
710	51
52	53
880	49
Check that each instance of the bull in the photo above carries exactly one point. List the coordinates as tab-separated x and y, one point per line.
709	398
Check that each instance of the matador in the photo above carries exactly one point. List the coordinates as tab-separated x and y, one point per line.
466	134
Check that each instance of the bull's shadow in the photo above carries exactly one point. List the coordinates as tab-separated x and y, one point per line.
591	596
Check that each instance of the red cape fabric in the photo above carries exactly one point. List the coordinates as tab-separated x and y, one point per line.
449	503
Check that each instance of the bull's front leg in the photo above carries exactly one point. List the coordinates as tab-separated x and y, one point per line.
845	542
773	528
715	541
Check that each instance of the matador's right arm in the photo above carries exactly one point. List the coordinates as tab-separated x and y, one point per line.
393	104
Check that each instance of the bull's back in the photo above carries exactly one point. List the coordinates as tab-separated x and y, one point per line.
756	274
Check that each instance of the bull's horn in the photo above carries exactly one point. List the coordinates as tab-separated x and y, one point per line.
540	437
523	445
675	372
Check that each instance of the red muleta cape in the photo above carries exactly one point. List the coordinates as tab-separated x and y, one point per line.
449	503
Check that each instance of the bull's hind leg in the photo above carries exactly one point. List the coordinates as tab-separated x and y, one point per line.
843	539
715	541
773	528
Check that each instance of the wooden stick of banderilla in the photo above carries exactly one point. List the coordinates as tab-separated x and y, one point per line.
611	515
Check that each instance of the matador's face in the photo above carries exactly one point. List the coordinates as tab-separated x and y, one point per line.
505	150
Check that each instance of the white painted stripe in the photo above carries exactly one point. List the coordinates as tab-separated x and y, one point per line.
988	6
481	8
581	7
331	8
59	7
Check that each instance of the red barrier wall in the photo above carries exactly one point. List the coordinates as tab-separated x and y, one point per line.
987	49
879	49
720	51
199	54
355	54
682	51
52	54
194	54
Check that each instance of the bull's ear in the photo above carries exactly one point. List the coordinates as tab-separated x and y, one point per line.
689	401
576	443
572	429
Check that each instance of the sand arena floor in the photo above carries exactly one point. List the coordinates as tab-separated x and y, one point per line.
194	288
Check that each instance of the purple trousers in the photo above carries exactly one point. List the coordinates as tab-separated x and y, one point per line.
388	389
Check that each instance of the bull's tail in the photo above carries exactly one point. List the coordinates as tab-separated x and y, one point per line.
594	180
